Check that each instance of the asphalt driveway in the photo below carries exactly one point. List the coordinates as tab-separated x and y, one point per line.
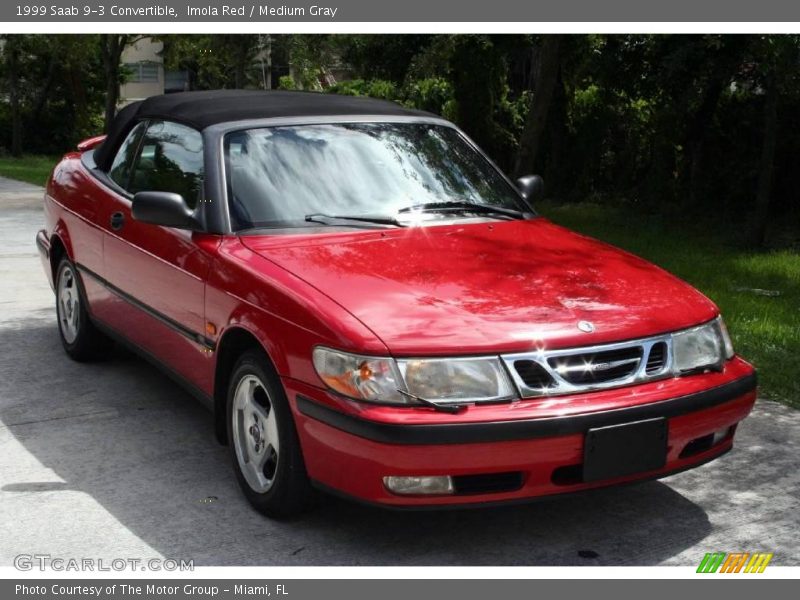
112	460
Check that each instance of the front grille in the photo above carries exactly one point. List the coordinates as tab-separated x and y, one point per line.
569	371
533	374
597	367
657	359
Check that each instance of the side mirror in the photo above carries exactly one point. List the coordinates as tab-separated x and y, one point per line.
531	187
163	208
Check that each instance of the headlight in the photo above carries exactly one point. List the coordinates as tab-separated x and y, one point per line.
441	380
456	379
360	377
706	346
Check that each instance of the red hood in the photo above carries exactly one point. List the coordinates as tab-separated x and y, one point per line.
488	287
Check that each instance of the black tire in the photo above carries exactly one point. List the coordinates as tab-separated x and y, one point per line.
289	493
82	341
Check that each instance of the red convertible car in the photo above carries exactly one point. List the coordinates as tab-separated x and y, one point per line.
370	307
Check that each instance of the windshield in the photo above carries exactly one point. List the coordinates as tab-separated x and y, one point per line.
290	176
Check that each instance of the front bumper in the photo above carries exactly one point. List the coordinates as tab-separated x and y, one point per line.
536	450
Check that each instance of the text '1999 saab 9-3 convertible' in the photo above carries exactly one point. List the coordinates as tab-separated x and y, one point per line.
372	308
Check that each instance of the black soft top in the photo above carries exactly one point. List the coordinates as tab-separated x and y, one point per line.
202	109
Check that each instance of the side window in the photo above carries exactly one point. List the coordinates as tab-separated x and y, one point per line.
121	167
170	160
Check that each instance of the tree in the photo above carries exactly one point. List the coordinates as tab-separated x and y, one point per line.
478	73
679	126
111	48
54	89
12	51
775	76
765	166
721	58
238	51
387	57
544	81
308	57
214	61
265	53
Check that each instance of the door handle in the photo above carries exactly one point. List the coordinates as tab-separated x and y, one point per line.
117	220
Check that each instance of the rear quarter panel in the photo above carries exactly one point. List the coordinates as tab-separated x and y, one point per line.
72	209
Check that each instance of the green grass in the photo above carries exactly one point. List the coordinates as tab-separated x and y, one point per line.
765	328
33	169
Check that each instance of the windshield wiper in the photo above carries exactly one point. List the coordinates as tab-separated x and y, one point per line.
448	408
463	207
323	218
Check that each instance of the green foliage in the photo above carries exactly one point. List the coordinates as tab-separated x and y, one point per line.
214	61
375	88
434	95
309	56
287	83
61	91
664	124
481	103
384	57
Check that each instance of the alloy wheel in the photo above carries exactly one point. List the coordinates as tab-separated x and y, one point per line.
255	433
69	304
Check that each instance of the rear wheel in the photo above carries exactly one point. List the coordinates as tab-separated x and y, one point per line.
265	449
80	338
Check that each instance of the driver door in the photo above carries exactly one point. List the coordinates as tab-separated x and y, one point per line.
157	274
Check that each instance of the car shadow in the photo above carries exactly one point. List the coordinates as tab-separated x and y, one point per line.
143	450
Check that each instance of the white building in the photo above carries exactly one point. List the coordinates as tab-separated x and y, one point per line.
147	74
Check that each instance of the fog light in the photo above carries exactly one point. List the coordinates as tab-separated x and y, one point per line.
440	484
720	435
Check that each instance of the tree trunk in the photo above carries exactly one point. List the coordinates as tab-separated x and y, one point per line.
243	54
268	76
80	102
111	47
555	140
44	91
761	213
239	70
696	137
546	78
724	65
12	57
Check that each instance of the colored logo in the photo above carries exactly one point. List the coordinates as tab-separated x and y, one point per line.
734	562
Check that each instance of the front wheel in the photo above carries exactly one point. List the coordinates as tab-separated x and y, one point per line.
80	338
265	449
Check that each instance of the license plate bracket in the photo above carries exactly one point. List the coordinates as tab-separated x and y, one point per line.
625	449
